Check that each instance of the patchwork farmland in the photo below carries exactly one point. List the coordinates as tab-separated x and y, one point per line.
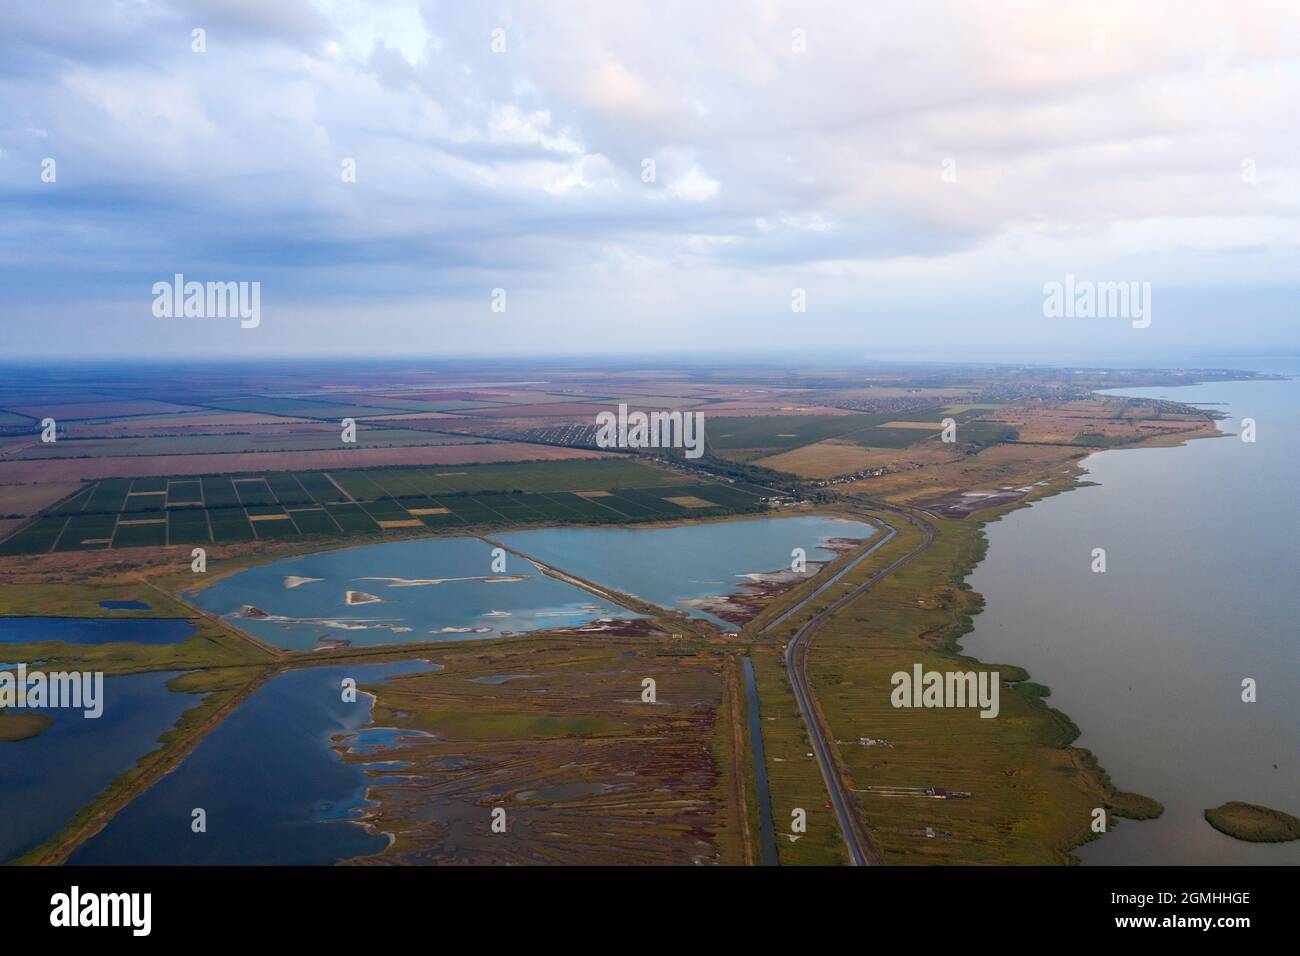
158	511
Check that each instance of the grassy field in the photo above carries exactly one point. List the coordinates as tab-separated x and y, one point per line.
212	645
782	431
1019	793
555	732
823	446
824	459
794	780
82	599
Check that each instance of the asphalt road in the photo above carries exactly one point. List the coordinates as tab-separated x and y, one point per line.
861	850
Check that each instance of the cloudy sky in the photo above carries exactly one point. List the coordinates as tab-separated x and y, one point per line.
650	177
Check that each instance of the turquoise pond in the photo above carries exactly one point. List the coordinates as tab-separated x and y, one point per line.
686	563
447	589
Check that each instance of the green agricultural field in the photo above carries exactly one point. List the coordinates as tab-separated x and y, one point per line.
253	492
228	509
148	501
37	537
184	493
891	437
219	492
601	474
288	489
319	487
351	519
315	521
187	526
986	433
782	431
109	495
230	524
152	534
75	503
969	428
386	509
270	527
87	532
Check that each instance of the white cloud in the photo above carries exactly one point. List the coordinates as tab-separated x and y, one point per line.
509	124
770	164
694	186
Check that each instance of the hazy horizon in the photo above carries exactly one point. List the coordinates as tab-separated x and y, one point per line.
677	360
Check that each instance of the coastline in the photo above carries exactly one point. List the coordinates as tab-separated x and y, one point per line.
1123	804
1086	759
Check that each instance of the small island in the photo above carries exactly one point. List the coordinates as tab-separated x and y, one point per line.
1253	823
22	725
